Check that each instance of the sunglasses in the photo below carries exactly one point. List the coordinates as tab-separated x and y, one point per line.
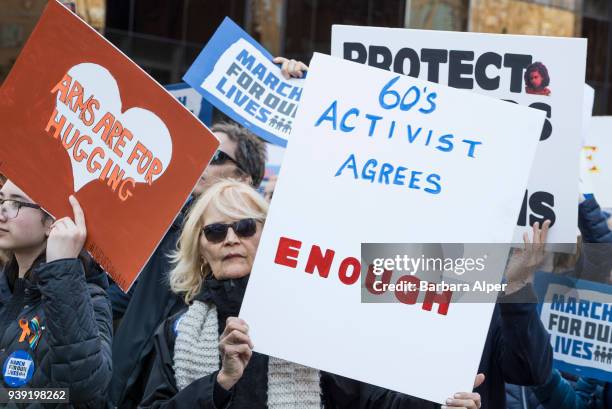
221	157
217	232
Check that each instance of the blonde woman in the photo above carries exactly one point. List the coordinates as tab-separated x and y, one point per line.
204	356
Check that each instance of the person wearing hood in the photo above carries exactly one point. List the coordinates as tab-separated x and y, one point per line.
204	356
55	316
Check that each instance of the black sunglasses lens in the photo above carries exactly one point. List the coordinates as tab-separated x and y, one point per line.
216	233
219	158
245	227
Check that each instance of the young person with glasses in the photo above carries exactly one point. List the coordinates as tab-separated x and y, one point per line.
203	355
55	317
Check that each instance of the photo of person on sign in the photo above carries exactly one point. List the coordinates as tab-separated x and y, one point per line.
537	79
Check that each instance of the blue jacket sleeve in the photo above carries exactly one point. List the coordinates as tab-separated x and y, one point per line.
595	261
79	330
523	348
557	393
593	223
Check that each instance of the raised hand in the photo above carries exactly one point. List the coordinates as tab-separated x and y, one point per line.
67	237
291	68
524	262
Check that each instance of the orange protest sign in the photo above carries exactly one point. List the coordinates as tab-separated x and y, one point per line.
80	117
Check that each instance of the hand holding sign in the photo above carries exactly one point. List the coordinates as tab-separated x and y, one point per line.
466	400
291	68
236	350
524	262
67	237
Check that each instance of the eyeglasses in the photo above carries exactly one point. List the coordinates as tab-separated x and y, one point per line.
221	157
217	232
10	208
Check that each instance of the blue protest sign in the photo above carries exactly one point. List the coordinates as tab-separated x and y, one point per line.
578	316
237	75
193	101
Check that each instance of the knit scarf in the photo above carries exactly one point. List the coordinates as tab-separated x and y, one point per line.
196	354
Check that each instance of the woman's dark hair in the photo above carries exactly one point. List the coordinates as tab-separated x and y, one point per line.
541	68
11	269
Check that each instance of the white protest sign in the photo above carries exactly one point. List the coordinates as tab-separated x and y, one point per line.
586	153
528	70
596	168
380	157
589	99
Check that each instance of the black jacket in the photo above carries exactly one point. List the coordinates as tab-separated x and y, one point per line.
517	350
151	304
251	390
58	320
594	264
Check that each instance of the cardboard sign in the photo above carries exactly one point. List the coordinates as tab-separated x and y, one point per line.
80	117
398	160
527	70
237	75
596	168
578	316
193	101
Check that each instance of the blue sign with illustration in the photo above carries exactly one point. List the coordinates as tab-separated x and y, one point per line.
578	316
193	101
237	75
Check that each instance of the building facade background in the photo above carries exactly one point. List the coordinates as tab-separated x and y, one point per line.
165	36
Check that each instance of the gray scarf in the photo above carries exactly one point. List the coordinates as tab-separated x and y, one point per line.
196	354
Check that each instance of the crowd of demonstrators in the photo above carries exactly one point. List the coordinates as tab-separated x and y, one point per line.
594	263
55	316
178	342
